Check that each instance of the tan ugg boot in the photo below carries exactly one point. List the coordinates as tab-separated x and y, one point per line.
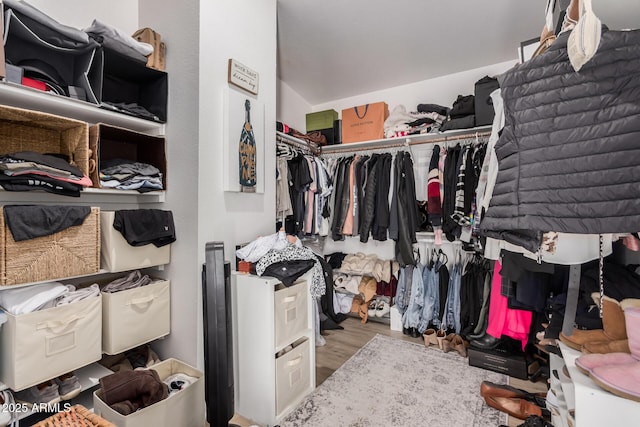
605	347
613	327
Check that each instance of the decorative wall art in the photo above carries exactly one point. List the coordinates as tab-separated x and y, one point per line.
243	143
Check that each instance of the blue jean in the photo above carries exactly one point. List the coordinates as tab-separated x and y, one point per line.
403	292
451	315
411	317
431	305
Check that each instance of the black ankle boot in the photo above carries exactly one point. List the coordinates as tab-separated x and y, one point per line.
487	342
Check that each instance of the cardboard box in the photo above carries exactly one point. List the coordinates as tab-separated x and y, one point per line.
498	360
116	254
44	344
136	316
364	122
321	120
108	142
185	408
157	58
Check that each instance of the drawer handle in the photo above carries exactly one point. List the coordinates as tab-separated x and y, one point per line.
60	325
141	301
290	299
295	361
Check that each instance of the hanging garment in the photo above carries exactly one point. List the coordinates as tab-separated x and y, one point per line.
451	314
370	198
407	209
503	320
300	179
411	316
449	226
431	306
567	154
283	197
380	226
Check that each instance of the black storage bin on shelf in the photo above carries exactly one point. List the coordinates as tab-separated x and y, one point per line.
52	53
127	81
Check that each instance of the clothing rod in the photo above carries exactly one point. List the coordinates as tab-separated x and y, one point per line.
404	141
298	143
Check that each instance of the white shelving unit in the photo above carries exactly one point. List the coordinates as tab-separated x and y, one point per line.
267	318
13	95
32	99
594	406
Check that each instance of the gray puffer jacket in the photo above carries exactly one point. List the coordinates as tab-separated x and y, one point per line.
569	153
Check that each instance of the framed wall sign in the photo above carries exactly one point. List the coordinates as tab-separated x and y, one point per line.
243	77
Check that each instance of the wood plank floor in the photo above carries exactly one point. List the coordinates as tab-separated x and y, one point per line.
342	344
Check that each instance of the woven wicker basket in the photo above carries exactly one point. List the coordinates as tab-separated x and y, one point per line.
76	416
26	130
71	252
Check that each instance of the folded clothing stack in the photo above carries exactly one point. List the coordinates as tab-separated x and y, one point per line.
130	175
27	170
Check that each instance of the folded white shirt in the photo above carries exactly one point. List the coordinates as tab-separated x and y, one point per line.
31	298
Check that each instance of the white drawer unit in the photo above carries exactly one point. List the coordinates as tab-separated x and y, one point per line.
269	320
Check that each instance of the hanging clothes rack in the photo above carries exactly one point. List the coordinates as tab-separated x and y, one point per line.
408	141
306	147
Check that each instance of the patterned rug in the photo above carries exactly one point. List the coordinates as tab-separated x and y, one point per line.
390	382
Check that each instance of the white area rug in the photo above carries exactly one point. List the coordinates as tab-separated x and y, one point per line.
390	382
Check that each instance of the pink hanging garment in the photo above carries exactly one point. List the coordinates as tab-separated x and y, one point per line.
504	320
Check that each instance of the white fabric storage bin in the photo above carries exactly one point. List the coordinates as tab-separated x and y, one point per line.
290	305
41	345
116	254
185	408
292	375
135	316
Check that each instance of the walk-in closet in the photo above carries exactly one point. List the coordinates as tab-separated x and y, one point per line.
290	213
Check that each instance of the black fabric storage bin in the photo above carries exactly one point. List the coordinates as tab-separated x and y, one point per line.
50	52
125	80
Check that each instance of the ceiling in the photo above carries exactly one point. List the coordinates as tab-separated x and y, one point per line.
332	49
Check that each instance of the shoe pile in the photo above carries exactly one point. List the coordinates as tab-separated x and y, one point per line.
513	401
378	308
445	342
65	387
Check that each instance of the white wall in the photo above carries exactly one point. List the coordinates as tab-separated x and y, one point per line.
442	90
229	30
122	14
179	30
291	108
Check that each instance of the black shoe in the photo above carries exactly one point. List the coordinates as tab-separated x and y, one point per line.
415	333
487	342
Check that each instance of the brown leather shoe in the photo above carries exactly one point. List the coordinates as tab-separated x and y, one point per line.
488	388
515	407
